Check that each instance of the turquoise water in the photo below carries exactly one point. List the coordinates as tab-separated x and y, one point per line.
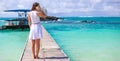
12	44
99	41
88	42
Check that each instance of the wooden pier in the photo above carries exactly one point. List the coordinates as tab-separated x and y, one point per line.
49	51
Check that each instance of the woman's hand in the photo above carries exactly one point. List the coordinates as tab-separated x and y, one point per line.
40	12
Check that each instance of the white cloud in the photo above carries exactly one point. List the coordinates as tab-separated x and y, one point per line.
106	8
20	6
67	6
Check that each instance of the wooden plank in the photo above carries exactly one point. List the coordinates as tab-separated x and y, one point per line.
49	51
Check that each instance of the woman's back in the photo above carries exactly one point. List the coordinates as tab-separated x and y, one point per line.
34	17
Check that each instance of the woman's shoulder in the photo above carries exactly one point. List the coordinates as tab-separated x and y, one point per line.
34	12
31	12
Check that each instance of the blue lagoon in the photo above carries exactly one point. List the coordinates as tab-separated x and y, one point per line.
99	41
80	40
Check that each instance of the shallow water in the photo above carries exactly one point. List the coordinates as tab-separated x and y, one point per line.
87	42
90	45
12	44
99	41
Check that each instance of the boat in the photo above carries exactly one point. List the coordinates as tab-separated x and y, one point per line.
18	23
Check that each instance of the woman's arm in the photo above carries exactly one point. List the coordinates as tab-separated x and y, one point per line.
41	14
29	20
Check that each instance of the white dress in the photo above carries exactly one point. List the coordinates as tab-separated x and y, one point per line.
35	29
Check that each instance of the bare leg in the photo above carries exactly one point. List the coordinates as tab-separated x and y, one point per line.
33	48
37	42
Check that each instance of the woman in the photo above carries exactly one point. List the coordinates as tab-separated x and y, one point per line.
35	28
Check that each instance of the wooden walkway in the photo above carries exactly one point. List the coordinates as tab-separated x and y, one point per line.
50	51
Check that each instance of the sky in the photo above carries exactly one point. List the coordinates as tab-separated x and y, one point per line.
66	7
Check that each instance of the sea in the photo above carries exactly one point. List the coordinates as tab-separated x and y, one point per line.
81	38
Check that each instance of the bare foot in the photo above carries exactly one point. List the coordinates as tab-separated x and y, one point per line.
34	57
37	57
